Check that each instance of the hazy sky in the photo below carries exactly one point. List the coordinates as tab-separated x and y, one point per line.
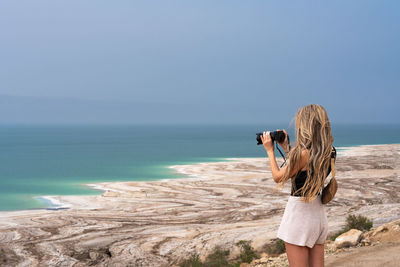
198	61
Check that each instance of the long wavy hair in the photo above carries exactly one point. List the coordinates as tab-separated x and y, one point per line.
313	133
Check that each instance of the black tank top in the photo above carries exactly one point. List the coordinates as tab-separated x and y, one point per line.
300	179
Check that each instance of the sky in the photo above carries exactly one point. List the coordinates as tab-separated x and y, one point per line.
196	62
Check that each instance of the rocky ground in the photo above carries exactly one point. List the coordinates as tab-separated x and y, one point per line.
378	247
162	222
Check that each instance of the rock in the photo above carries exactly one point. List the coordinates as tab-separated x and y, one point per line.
381	229
350	238
261	260
365	242
245	264
331	247
264	255
93	255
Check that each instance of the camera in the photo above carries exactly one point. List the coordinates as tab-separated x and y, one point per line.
278	136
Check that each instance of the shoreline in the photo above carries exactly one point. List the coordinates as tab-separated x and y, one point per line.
178	168
56	200
103	187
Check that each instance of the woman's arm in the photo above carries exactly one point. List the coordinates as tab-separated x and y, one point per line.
277	173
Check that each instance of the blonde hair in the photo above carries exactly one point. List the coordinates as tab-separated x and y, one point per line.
313	133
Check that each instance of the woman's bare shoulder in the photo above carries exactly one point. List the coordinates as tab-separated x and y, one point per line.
304	158
301	164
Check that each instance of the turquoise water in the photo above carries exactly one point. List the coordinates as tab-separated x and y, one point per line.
59	160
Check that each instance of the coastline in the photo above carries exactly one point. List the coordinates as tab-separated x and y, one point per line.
220	203
55	201
181	169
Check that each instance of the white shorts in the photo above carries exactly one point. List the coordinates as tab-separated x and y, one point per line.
304	224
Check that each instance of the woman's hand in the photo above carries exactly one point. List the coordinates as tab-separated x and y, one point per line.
267	141
285	143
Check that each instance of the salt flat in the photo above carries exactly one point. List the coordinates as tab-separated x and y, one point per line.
159	223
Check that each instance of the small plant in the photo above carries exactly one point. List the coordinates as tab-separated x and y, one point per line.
277	247
247	253
193	261
358	222
218	258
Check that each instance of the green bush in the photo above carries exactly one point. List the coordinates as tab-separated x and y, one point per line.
218	258
276	248
247	253
193	261
358	222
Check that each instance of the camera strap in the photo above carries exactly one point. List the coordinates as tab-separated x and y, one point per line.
280	152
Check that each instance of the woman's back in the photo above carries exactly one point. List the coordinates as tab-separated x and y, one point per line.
301	177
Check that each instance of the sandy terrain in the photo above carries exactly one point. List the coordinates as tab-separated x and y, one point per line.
379	247
380	255
160	223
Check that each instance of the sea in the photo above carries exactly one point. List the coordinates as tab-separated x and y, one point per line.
46	160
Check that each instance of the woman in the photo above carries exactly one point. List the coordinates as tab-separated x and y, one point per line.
304	224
